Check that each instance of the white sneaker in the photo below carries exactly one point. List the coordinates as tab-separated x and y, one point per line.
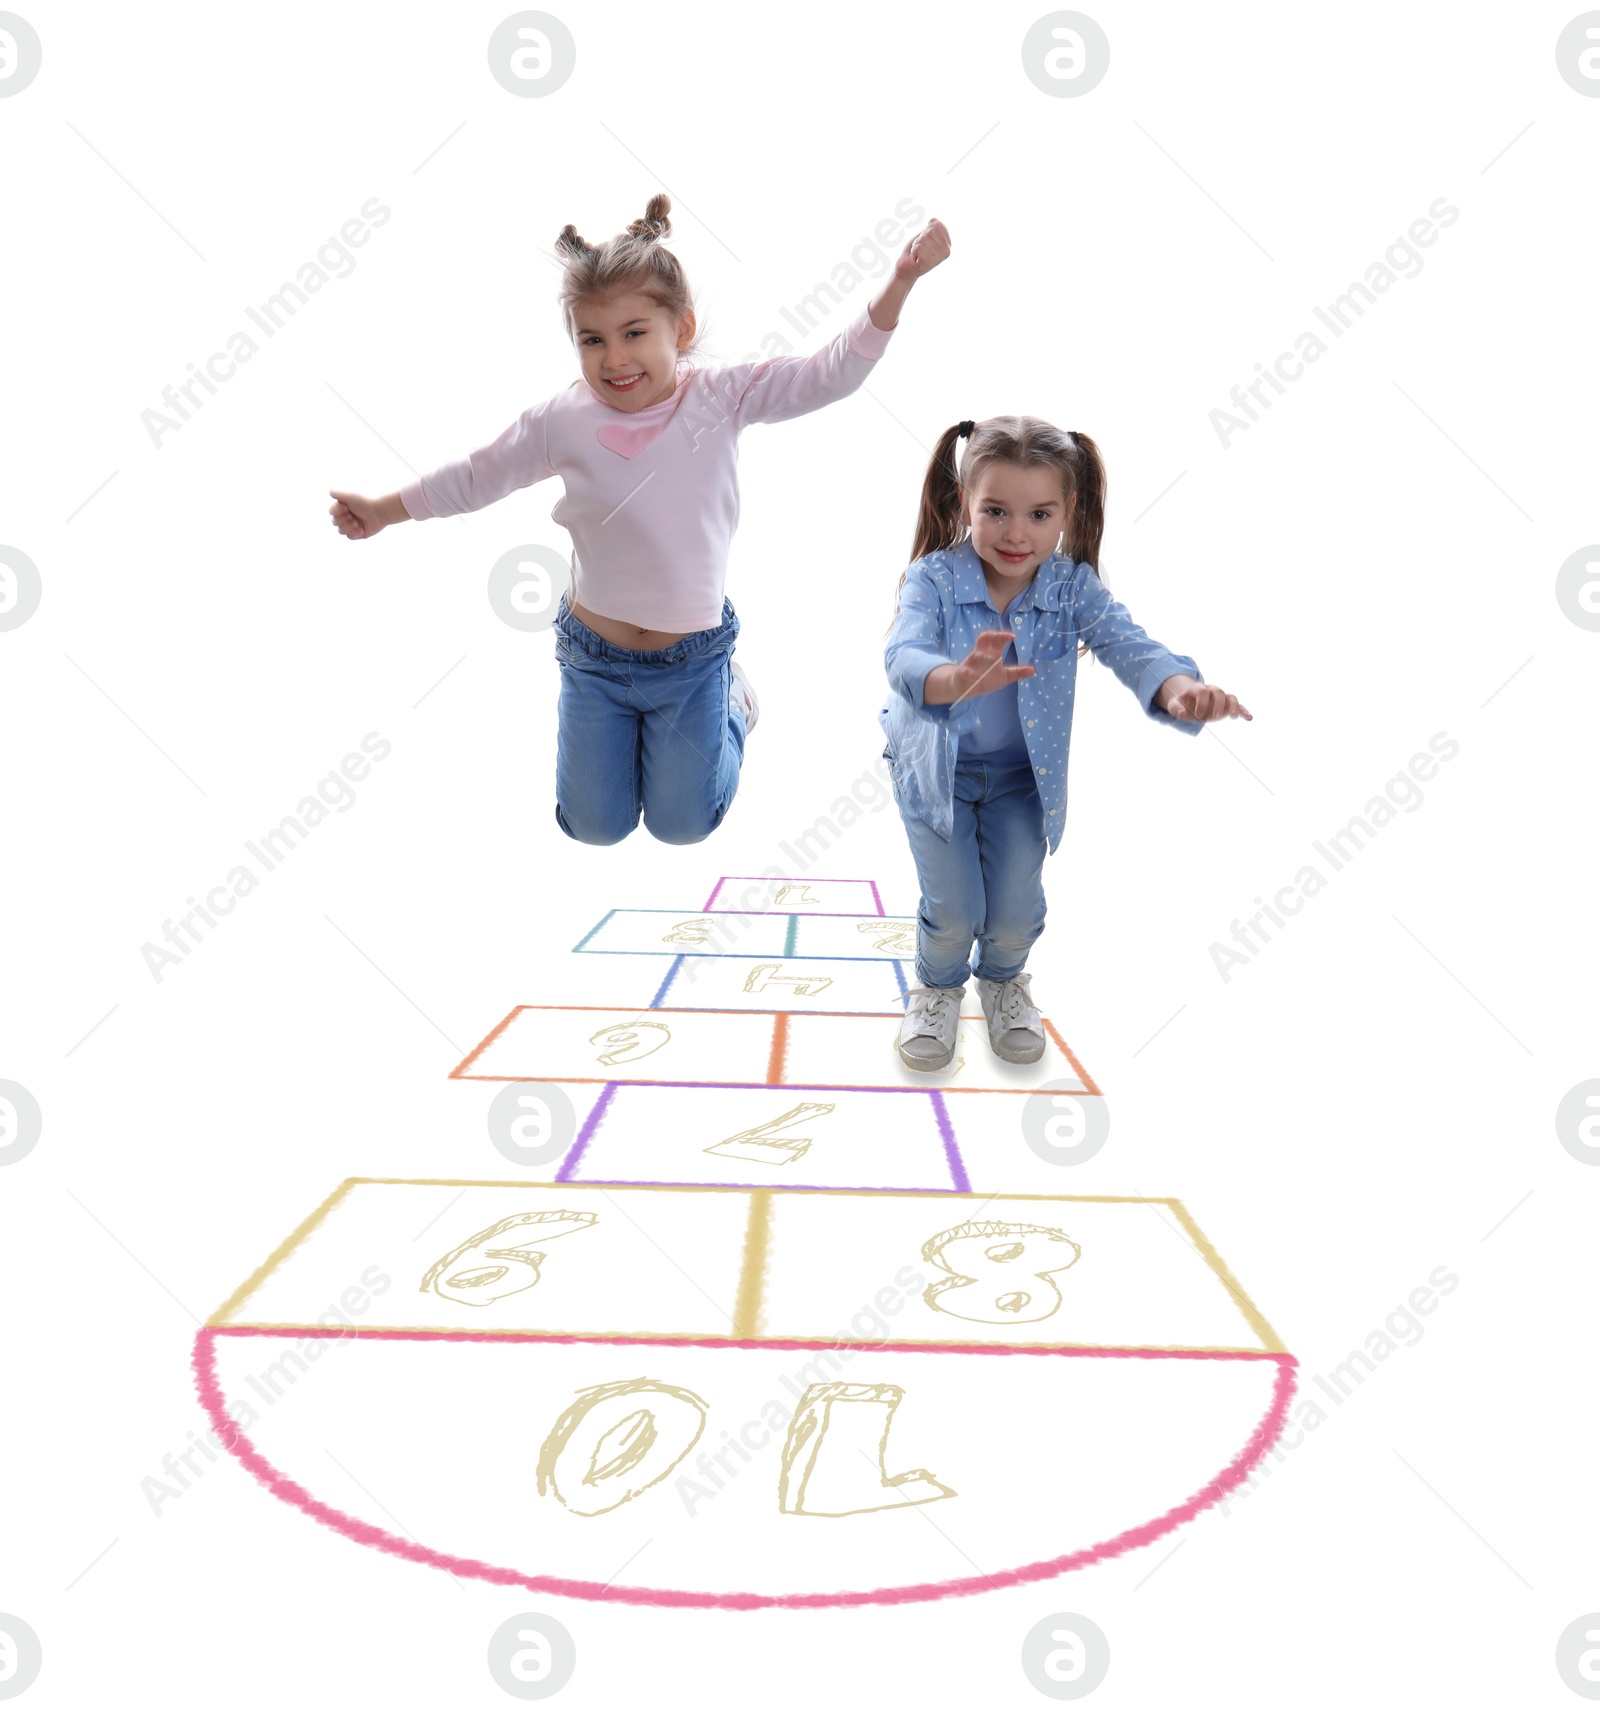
928	1033
743	691
1016	1031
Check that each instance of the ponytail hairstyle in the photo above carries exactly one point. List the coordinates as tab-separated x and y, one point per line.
635	260
1030	444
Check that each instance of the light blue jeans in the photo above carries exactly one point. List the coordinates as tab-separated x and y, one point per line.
648	733
982	885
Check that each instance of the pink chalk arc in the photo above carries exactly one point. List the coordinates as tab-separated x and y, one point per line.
1266	1434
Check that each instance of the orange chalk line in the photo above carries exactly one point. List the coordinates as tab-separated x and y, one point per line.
488	1040
780	1049
281	1253
1089	1084
817	1087
753	1266
776	1058
1258	1320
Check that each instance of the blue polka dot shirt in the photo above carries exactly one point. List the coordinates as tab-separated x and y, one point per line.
944	605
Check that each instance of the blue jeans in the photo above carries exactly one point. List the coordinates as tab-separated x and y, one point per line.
649	733
984	883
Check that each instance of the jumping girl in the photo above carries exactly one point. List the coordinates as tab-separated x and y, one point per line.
653	712
982	659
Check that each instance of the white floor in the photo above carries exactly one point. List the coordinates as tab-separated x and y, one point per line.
1345	1052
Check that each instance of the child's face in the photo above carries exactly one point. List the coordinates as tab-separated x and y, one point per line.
629	346
1016	516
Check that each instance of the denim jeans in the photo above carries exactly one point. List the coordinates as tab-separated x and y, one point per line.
649	733
983	884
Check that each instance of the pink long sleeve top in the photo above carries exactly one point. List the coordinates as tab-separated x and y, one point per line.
651	497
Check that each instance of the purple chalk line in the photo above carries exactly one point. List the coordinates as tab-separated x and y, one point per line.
821	1188
804	915
590	1125
952	1153
793	879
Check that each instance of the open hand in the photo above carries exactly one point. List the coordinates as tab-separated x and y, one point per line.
924	252
982	671
354	515
1184	698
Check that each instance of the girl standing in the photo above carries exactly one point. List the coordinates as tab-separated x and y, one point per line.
653	712
982	660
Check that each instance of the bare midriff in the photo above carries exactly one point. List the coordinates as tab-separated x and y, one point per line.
622	634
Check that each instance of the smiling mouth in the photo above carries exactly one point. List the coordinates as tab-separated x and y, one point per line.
626	383
1012	558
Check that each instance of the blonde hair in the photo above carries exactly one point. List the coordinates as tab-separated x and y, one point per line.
635	260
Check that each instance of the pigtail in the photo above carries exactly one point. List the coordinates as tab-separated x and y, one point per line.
1089	503
1028	443
939	522
939	518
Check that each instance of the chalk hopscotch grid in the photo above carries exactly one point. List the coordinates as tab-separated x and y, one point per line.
959	1180
1269	1343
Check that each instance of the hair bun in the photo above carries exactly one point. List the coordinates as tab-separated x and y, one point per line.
964	429
570	244
654	222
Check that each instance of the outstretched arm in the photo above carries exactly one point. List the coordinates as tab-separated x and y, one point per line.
924	253
1187	698
917	658
1168	685
358	518
782	388
519	457
983	671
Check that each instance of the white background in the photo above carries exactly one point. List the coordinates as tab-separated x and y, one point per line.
1367	1100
